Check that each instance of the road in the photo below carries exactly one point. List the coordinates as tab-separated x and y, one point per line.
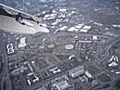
5	77
64	72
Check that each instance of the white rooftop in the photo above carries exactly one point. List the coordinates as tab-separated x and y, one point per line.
113	64
69	46
62	9
79	26
85	29
113	58
51	46
115	25
75	72
99	24
71	56
72	29
88	74
94	37
63	28
22	42
62	85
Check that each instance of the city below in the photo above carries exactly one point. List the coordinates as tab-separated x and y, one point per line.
59	45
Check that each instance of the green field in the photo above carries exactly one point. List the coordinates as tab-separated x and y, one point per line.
93	70
104	78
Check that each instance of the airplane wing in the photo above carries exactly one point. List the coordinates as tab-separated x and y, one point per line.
15	21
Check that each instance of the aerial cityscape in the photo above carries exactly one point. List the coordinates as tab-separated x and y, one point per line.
59	44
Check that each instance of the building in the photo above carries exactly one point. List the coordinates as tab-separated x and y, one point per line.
32	78
10	48
76	72
22	43
60	83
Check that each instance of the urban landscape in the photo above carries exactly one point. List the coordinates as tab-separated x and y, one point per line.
59	45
